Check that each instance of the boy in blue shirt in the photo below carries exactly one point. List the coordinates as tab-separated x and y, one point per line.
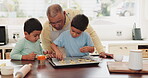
75	41
28	47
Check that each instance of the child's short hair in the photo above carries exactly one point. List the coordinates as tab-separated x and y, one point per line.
31	25
80	22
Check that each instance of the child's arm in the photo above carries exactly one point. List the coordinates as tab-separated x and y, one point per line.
58	53
15	54
89	49
30	56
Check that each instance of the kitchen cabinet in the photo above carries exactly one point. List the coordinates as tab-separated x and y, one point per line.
144	48
5	50
122	49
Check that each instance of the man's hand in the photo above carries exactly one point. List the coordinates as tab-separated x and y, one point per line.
105	55
30	56
50	54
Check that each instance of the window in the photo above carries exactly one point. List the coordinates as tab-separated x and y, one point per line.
15	12
109	11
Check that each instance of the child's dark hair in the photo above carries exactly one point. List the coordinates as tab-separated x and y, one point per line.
31	25
80	22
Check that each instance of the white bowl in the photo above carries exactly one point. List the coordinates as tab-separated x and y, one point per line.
7	70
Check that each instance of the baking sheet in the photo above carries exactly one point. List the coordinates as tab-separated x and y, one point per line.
70	61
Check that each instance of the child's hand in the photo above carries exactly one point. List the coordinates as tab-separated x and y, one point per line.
84	49
30	56
59	55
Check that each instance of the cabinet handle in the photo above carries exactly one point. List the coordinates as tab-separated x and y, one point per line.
125	47
120	47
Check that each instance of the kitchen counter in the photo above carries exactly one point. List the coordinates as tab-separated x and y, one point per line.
47	71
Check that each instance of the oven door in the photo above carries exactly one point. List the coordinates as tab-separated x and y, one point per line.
144	48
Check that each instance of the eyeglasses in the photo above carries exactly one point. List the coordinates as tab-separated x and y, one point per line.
54	23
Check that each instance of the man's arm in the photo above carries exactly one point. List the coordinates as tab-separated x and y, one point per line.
45	37
97	43
95	39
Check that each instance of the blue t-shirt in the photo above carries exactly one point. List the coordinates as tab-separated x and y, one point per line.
72	45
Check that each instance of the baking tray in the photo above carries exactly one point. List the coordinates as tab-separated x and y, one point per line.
75	61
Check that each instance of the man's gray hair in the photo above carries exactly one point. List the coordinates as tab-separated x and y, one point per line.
53	10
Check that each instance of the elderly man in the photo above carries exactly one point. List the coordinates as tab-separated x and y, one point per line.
60	21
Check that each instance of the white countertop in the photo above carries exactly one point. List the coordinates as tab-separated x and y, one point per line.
9	45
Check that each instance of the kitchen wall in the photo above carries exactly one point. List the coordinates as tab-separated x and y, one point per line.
114	28
18	29
144	17
112	32
104	31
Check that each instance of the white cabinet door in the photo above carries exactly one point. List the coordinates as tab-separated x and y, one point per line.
122	49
